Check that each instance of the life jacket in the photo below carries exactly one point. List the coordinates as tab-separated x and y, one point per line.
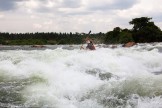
90	46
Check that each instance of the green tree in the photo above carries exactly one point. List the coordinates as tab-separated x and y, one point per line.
139	23
144	30
113	36
125	37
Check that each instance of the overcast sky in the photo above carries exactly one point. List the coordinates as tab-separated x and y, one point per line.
75	15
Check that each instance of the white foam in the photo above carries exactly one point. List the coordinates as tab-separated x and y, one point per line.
66	80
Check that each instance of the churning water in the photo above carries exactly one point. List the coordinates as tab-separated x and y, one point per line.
61	78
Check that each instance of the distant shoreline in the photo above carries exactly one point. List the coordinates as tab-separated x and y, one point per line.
152	45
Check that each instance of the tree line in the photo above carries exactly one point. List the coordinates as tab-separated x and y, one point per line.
51	38
144	30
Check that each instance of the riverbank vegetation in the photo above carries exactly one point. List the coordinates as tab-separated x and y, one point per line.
144	30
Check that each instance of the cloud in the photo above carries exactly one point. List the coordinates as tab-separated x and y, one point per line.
75	15
76	7
143	8
60	7
110	4
6	5
71	3
1	16
37	26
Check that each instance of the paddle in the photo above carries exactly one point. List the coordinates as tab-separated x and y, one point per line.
87	37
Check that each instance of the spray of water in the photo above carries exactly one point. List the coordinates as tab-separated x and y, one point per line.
60	78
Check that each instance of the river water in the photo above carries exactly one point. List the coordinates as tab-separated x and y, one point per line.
67	77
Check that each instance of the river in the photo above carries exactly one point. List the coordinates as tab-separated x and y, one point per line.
67	77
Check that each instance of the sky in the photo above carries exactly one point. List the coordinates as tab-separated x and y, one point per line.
20	16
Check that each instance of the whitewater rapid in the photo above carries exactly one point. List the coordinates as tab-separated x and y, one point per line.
61	78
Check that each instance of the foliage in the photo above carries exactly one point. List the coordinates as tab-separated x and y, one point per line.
125	37
144	30
118	36
46	38
139	23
